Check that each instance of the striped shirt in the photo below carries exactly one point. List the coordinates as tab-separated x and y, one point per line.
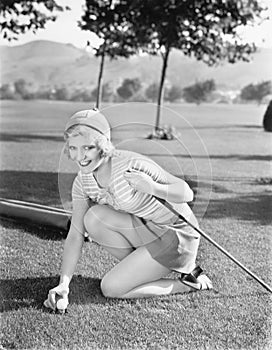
119	194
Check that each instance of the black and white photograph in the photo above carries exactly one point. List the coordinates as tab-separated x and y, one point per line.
136	174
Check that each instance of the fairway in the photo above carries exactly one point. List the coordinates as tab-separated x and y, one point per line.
224	154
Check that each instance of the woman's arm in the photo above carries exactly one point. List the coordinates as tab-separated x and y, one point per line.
174	190
73	243
178	192
71	254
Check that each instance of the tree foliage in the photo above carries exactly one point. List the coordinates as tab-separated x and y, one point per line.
107	92
20	87
151	91
206	29
174	93
256	92
20	16
82	95
128	88
7	92
199	91
61	93
108	20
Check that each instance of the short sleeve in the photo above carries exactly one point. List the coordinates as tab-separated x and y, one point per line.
77	190
151	168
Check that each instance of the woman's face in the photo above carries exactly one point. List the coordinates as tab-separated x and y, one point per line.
83	151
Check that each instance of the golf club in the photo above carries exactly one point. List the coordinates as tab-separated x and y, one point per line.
203	234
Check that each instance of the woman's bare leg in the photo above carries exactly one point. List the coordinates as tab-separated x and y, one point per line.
137	275
111	229
140	276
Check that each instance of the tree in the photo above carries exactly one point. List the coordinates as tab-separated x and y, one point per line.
20	16
128	88
256	92
81	95
21	88
7	92
199	91
61	94
205	29
174	93
151	91
106	92
107	19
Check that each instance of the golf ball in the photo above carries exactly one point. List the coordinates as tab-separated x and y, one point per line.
62	304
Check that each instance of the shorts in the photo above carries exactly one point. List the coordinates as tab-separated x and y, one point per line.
174	244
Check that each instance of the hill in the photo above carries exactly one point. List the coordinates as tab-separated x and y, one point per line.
46	63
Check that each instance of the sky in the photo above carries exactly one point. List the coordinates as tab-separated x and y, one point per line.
66	30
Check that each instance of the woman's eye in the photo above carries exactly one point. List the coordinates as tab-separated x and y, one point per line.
88	148
71	148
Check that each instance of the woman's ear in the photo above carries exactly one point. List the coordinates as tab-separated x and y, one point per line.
102	153
104	145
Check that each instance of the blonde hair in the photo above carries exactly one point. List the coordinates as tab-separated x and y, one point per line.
101	142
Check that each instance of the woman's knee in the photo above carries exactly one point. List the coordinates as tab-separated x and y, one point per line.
111	288
93	219
102	216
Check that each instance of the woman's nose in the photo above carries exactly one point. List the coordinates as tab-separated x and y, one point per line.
80	155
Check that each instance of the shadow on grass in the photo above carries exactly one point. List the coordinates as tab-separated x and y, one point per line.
9	137
215	156
35	186
124	128
227	126
207	185
42	232
255	206
250	126
31	292
42	187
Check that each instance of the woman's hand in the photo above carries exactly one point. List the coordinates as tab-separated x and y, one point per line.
57	295
140	181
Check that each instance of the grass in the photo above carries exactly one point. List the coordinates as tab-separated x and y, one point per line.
234	206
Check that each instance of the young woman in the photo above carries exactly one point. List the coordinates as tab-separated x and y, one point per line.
114	201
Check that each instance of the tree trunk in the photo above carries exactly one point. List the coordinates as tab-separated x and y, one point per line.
161	88
100	79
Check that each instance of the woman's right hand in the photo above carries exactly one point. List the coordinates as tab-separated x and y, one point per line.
54	295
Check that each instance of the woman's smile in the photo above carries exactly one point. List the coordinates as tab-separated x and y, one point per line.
84	153
84	163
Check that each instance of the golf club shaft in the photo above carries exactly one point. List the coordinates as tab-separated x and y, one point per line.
208	238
